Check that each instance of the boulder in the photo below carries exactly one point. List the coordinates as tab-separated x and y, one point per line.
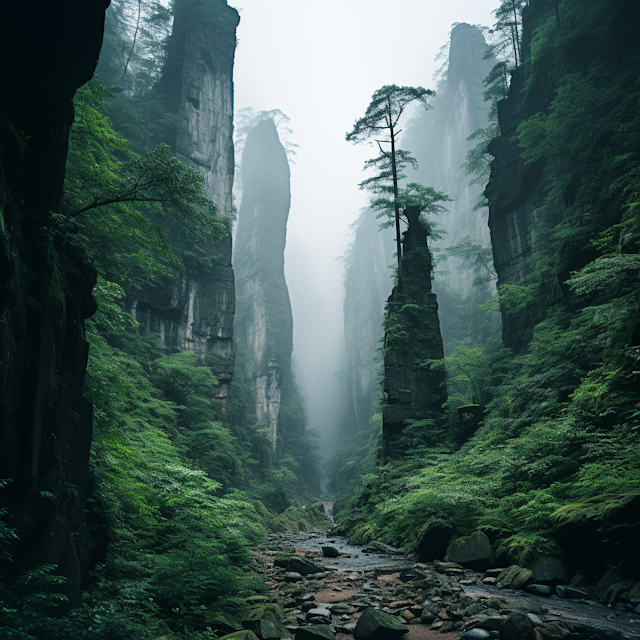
315	632
550	569
514	577
330	552
615	591
266	626
377	625
473	552
303	567
221	623
633	595
281	560
517	627
608	579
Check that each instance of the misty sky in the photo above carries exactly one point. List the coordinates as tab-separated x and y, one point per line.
319	61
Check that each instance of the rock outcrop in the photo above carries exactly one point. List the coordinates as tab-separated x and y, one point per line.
517	191
197	312
414	380
46	53
438	140
264	324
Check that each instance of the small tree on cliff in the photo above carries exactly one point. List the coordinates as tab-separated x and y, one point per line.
380	125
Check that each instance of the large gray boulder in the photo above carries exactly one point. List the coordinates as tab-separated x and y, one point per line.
550	569
377	625
517	627
473	552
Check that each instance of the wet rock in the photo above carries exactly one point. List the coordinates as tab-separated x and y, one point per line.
517	627
579	581
551	631
447	626
473	609
489	580
281	561
473	552
254	600
377	625
475	634
534	619
565	591
550	569
330	552
544	590
315	632
447	568
346	628
494	573
303	567
490	620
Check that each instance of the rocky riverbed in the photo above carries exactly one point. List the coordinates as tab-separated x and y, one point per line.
324	586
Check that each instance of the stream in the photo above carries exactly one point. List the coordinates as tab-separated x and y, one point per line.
433	600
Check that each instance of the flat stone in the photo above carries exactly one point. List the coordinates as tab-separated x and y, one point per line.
319	612
565	591
551	631
534	619
489	580
544	590
475	634
292	576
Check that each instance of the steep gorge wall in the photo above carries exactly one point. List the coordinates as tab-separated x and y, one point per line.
197	312
45	288
263	324
517	191
438	140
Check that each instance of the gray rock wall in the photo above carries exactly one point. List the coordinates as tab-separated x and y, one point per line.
197	312
264	324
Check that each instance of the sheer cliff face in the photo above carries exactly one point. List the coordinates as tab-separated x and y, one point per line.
438	140
367	286
197	313
264	325
45	288
412	336
518	192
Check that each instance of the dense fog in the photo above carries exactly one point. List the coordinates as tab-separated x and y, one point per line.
319	62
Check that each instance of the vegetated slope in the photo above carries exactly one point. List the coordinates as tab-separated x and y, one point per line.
557	451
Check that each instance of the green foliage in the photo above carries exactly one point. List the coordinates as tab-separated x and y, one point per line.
115	201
